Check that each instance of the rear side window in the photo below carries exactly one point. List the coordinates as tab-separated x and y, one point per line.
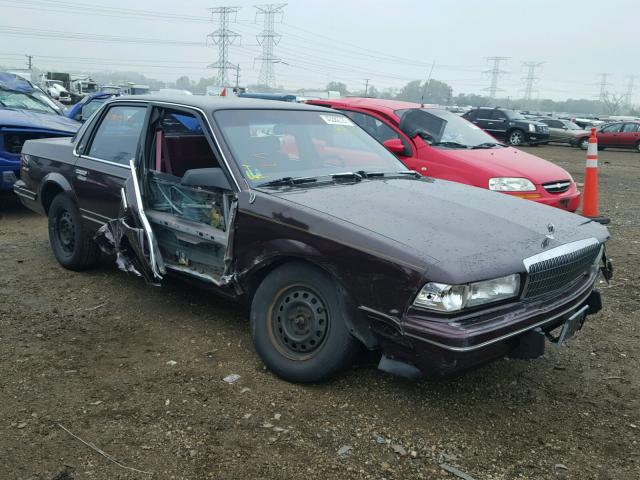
614	128
117	136
485	113
498	115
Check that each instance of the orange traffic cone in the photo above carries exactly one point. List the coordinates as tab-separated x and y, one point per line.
590	195
224	92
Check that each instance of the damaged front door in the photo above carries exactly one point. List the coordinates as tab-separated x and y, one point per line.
178	206
130	236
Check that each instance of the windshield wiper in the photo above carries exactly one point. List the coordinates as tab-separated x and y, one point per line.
365	174
488	145
449	144
287	181
355	176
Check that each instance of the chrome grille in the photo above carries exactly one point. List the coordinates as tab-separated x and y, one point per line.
557	187
559	267
542	129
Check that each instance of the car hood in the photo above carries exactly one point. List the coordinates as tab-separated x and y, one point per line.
461	233
510	162
18	118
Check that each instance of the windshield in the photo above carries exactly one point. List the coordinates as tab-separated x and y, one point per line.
25	101
445	129
573	126
275	144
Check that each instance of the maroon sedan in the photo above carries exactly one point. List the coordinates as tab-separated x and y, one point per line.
617	135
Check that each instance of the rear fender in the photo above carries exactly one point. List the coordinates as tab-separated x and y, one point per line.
54	182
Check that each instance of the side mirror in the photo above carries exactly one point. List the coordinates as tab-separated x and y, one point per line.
394	145
206	178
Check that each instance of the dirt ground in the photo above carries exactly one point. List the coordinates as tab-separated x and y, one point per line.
137	371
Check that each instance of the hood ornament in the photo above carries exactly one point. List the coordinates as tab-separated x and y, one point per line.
549	236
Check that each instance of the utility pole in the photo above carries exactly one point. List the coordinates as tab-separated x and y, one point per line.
29	61
237	76
495	73
268	39
603	86
223	37
366	86
530	79
628	96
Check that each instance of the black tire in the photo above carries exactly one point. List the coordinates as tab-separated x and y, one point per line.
72	246
638	147
299	326
516	137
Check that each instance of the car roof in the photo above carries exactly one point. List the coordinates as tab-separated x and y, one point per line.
211	104
380	104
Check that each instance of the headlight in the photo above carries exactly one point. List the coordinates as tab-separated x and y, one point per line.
532	127
509	184
450	298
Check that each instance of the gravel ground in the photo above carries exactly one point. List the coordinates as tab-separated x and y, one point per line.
138	372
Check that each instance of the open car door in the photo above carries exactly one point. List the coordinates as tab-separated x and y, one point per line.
130	237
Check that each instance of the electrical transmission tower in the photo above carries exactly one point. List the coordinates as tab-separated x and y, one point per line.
603	87
223	37
530	79
628	96
495	73
268	39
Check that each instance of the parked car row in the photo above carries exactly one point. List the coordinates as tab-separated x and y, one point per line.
336	244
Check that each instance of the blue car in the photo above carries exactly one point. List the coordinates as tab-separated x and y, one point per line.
26	113
82	110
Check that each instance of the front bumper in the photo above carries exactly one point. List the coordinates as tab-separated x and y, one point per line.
442	347
537	137
569	200
9	172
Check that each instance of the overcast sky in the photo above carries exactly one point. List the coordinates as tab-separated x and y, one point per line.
389	42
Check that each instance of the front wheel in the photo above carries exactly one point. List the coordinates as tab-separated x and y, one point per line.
584	143
72	246
516	138
299	324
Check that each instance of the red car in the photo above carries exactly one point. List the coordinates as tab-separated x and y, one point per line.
617	135
441	144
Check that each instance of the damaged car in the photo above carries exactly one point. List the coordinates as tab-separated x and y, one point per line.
331	240
25	113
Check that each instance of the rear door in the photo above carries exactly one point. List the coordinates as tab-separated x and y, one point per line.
630	135
104	154
609	135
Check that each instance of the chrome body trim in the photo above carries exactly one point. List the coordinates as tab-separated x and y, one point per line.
559	251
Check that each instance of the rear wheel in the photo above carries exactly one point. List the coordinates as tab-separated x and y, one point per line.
516	137
638	147
72	246
299	324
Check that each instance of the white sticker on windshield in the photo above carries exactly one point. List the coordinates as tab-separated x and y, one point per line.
474	127
337	120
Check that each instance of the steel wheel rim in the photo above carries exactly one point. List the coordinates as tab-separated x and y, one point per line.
584	144
66	232
299	321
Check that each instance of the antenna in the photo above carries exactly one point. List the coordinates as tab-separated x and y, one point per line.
426	85
268	39
223	37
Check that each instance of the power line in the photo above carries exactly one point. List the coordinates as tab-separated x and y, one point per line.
268	39
530	79
495	73
223	37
